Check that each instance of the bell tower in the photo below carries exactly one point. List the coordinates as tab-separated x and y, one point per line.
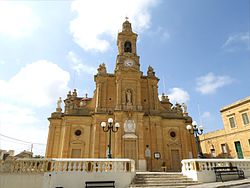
127	53
127	71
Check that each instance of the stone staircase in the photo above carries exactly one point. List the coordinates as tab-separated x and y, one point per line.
161	179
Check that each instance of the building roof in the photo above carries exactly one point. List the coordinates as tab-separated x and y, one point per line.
235	104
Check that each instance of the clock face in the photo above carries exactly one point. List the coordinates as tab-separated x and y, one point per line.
129	63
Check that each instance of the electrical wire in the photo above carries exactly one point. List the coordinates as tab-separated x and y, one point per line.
21	140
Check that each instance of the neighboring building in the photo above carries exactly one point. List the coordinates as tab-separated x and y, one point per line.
234	140
148	126
24	154
4	154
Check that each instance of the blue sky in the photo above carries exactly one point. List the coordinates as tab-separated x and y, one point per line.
200	50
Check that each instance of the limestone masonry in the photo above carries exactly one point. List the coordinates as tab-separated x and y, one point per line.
149	127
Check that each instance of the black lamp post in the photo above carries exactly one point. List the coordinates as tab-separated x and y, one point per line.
193	129
110	128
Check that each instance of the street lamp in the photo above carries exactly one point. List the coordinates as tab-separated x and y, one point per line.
193	129
110	128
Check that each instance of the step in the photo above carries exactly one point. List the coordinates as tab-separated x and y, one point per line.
163	184
161	179
173	181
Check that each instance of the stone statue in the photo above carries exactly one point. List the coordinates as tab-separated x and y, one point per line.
74	93
69	95
59	103
184	107
178	108
150	71
129	96
102	69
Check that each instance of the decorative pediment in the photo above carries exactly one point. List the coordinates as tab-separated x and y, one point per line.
74	142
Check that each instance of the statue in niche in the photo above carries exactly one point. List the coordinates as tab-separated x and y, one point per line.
102	69
128	97
59	103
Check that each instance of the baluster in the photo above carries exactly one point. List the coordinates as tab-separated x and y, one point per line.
53	166
84	166
64	166
24	167
74	166
79	166
35	166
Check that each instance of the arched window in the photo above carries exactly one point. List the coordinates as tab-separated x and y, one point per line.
127	47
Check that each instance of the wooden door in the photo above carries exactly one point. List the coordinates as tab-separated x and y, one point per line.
130	150
176	161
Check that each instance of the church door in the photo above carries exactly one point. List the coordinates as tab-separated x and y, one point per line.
130	150
176	161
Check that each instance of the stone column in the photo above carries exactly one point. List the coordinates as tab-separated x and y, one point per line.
138	90
66	143
118	94
98	96
50	140
141	156
118	135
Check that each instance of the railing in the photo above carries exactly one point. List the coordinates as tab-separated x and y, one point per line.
67	165
202	169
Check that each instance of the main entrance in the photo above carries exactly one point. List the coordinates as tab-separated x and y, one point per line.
176	161
130	150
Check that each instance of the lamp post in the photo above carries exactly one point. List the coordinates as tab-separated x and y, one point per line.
110	128
193	129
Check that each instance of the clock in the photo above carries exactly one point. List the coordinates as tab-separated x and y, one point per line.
129	63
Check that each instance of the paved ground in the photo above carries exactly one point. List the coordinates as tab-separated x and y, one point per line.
245	183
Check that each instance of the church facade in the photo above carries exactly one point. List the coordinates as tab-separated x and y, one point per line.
152	131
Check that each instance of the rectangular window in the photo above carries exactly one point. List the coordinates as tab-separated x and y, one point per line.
224	148
232	122
245	118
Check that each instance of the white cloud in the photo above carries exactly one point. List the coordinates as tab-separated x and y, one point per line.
78	65
16	20
178	95
209	83
2	62
99	19
37	84
21	122
23	99
237	42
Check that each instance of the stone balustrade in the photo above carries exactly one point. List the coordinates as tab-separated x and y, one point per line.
73	173
202	169
67	165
